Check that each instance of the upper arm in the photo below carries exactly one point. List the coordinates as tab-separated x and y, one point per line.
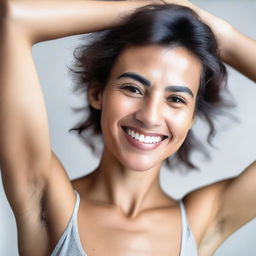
31	173
203	206
25	150
44	216
239	201
222	208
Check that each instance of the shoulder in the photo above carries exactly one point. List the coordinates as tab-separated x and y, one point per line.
83	184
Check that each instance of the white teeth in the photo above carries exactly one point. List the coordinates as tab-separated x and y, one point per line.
147	139
143	138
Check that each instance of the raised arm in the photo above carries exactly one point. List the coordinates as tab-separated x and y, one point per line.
34	180
231	203
237	50
60	18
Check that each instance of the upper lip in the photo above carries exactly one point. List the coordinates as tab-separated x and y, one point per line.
145	133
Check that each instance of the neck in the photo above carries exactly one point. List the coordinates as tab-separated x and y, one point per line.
131	191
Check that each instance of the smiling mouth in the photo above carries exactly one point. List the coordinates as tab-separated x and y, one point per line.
147	139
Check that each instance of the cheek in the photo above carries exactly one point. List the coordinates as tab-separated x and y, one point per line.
180	123
115	107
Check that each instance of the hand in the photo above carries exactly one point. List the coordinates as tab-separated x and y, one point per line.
236	49
181	2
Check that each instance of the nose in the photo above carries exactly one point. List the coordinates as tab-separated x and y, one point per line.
150	112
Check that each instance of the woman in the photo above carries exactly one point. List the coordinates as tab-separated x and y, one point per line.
133	100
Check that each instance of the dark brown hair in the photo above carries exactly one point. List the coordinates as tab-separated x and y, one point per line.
166	25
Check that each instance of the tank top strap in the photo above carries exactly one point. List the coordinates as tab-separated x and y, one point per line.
188	245
183	214
75	226
75	211
70	241
183	226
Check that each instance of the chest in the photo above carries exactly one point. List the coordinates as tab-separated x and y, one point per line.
105	232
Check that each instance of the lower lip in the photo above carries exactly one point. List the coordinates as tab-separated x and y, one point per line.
140	145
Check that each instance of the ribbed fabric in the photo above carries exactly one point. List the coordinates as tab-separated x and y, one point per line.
70	245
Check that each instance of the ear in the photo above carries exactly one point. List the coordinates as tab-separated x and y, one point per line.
95	97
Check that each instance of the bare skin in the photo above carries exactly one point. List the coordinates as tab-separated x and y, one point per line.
36	182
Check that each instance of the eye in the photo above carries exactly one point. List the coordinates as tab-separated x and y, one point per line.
132	89
176	99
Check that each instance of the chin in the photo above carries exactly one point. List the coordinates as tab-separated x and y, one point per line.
140	164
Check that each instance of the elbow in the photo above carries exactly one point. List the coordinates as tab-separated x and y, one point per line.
4	10
7	12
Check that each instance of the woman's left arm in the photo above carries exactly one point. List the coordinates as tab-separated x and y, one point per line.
233	201
239	51
222	208
238	197
238	201
236	49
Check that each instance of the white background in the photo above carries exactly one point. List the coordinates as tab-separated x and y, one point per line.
235	142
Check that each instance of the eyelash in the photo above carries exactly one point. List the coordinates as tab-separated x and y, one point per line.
132	89
180	99
174	98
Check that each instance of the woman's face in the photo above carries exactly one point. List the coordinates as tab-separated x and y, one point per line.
148	104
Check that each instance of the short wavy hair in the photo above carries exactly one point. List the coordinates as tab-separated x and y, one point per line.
165	25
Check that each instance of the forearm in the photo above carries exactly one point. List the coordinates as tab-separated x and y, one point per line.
46	20
236	49
240	53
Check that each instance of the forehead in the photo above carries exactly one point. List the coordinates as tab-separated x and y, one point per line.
160	65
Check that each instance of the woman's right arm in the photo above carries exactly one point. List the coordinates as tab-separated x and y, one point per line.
33	178
51	19
24	134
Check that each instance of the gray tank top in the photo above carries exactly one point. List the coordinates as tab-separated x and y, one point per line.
69	243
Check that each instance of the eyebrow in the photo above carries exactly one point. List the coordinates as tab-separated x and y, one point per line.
179	88
136	77
147	83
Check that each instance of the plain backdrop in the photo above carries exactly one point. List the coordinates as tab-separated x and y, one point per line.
235	142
